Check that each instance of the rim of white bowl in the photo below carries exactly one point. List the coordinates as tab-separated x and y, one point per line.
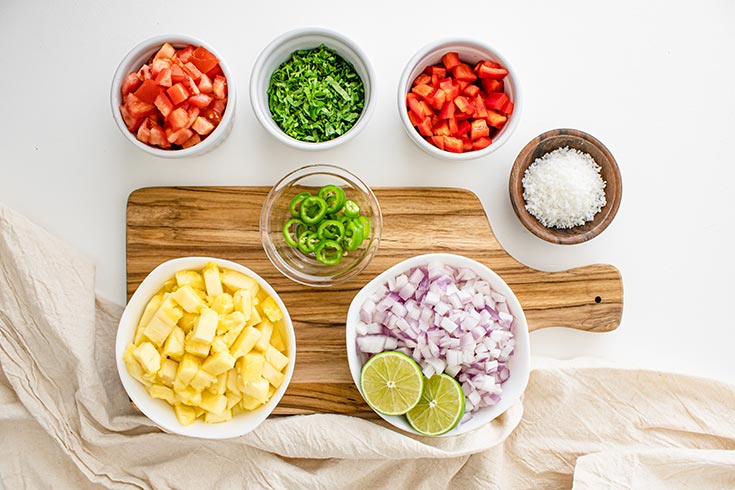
403	86
141	52
259	82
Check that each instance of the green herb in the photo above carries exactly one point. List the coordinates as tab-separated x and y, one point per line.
316	95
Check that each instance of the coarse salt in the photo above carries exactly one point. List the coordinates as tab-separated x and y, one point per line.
563	188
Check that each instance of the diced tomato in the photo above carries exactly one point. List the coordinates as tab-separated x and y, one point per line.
201	100
492	73
164	104
130	84
164	78
202	126
453	144
480	143
496	120
177	74
145	72
166	51
479	129
438	141
437	99
193	114
131	122
490	85
219	87
447	110
471	90
464	72
422	79
144	134
148	91
191	70
159	64
180	136
177	94
464	104
184	54
205	84
178	119
137	108
217	70
191	85
203	59
194	140
218	106
451	60
463	128
158	138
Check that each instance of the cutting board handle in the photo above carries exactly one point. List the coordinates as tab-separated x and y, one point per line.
587	298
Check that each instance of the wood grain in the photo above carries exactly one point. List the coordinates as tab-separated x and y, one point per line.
169	222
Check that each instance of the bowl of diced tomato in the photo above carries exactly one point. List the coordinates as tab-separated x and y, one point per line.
172	96
459	99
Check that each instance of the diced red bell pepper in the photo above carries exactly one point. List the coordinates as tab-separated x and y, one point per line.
480	143
471	90
178	94
130	84
423	90
148	91
413	102
488	63
438	141
480	110
464	72
164	78
496	101
452	124
451	60
464	104
219	87
422	79
487	72
508	109
450	88
414	120
427	112
442	129
490	86
164	104
203	59
437	99
496	120
463	128
447	110
478	129
178	119
466	143
425	127
463	84
437	73
453	144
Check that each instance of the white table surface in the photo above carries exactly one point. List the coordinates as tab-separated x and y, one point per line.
652	80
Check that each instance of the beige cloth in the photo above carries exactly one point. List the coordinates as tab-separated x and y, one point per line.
65	420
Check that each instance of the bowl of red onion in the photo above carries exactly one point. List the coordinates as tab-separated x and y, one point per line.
452	315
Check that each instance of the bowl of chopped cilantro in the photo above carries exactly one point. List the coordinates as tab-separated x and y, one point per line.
320	225
312	89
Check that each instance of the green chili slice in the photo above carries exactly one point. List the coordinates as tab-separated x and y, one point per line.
353	235
312	210
328	252
308	241
351	209
335	197
365	227
296	201
292	238
331	230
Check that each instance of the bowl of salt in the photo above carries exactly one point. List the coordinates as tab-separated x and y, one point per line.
565	186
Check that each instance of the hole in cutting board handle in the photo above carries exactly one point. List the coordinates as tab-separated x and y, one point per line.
598	300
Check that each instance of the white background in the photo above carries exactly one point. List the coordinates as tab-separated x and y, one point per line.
652	80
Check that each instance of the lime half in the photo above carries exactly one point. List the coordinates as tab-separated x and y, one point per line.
441	406
391	383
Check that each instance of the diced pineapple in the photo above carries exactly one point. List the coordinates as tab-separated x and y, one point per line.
232	381
163	393
237	280
271	391
277	339
215	418
191	278
273	376
243	303
198	349
233	398
257	389
169	286
219	363
188	299
249	403
245	342
206	326
220	386
219	345
250	367
212	279
189	396
148	312
266	329
188	368
277	360
231	335
174	346
222	304
213	403
234	320
271	309
188	321
148	357
185	415
254	318
167	373
199	411
160	326
134	368
202	380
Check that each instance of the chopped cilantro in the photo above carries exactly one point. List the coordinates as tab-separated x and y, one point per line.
316	95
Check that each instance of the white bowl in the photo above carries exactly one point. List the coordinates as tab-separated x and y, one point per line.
141	54
279	51
159	411
519	363
470	51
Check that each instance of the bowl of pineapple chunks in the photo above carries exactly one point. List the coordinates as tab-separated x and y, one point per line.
205	348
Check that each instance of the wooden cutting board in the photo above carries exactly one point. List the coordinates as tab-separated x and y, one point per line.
169	222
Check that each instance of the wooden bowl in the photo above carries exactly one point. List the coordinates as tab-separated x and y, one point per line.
550	141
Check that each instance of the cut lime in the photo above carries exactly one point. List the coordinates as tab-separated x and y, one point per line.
391	383
441	406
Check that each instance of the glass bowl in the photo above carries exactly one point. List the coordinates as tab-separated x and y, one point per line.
303	268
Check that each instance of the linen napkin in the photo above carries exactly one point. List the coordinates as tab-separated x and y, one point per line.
66	422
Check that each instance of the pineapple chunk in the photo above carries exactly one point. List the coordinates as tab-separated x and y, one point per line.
222	304
163	393
233	398
274	376
160	326
250	367
245	342
185	415
271	309
271	391
206	327
191	278
237	280
232	381
134	368
243	303
219	363
169	286
219	345
148	312
214	418
234	320
213	403
199	411
188	299
202	380
250	403
189	396
212	279
266	329
188	368
257	389
148	357
220	386
254	318
275	358
196	348
167	373
174	346
277	339
188	321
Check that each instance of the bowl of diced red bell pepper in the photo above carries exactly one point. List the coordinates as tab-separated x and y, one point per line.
172	96
459	99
